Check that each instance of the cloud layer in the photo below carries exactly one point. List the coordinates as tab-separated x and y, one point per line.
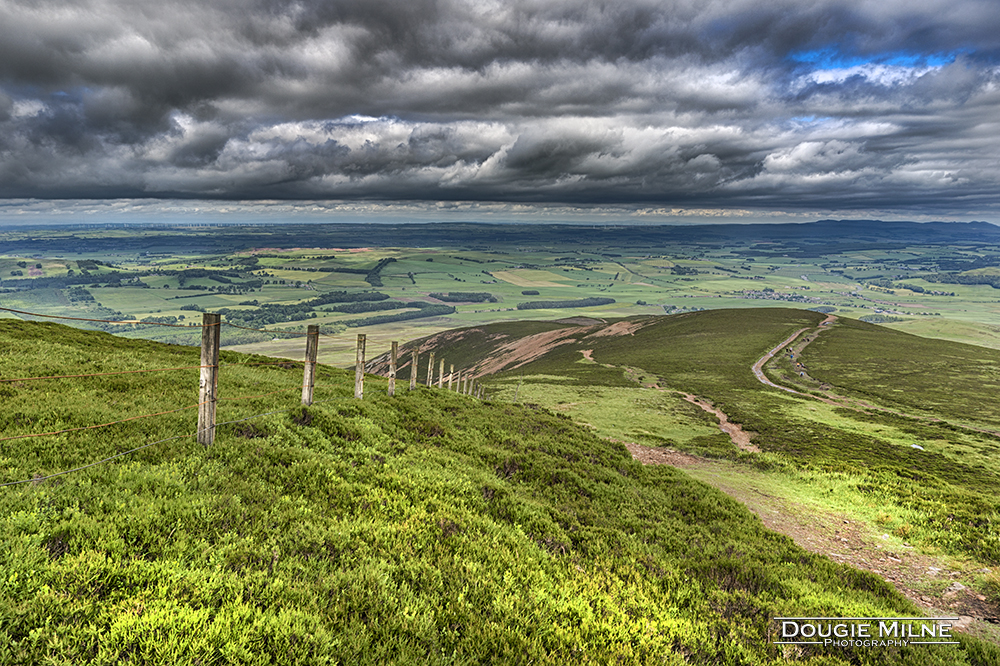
728	103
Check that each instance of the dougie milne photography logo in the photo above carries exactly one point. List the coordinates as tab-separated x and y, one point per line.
865	631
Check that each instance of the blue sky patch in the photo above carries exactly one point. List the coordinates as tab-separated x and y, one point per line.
832	58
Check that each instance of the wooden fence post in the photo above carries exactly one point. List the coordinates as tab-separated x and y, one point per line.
359	369
451	374
441	374
309	375
430	370
465	385
413	369
458	382
208	392
392	367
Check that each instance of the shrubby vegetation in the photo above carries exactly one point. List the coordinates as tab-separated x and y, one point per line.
426	528
425	309
962	278
276	313
881	319
368	306
573	303
465	297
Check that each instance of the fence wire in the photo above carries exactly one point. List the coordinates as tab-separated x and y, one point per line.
104	374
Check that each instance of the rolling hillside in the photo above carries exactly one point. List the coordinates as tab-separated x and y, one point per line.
423	528
897	433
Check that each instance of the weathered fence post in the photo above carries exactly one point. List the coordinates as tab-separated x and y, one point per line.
430	370
208	392
309	374
458	382
441	374
392	368
451	374
465	385
413	369
359	369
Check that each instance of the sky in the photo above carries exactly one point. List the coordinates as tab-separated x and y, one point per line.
667	110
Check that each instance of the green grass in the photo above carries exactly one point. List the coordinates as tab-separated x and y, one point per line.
917	375
632	414
946	489
425	528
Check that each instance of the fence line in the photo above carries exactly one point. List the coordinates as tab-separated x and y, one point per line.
39	479
100	374
101	425
208	398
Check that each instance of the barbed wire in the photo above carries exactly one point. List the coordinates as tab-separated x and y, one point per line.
39	479
105	374
100	425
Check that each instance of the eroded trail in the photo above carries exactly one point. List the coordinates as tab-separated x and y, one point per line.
758	367
841	538
805	337
739	436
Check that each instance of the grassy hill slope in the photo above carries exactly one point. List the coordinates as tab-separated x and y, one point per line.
930	482
424	528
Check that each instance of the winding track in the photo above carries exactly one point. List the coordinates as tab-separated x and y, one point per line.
843	401
758	367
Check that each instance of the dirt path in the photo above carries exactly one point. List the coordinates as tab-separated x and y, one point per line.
758	367
933	583
929	582
740	437
832	398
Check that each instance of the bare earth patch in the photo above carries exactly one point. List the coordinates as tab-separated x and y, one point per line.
516	353
740	437
659	456
618	328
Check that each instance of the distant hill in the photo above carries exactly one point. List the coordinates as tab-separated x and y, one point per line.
231	238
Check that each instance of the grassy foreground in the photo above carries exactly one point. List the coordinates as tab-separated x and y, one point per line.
425	528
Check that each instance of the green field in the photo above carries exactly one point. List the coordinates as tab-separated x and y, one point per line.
915	278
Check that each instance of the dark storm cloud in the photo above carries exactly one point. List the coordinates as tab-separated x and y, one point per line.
730	103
